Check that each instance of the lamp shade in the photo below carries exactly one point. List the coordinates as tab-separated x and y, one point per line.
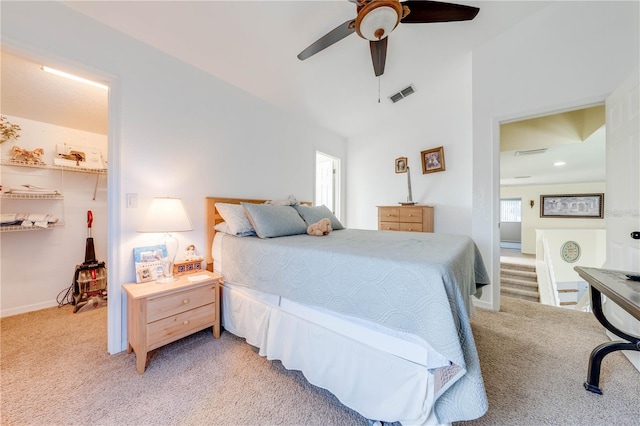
377	19
166	214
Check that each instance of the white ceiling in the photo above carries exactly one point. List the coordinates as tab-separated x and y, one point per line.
29	92
253	45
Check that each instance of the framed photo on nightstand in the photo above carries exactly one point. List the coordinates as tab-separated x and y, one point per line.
148	262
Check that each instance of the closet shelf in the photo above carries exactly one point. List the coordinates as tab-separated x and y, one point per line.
11	162
32	196
16	228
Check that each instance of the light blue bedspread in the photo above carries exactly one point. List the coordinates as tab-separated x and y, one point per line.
418	283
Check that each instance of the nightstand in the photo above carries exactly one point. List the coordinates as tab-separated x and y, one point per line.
158	314
405	218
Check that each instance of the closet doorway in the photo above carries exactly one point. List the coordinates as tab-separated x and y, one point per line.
59	115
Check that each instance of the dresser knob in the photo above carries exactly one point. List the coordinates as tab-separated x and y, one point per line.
185	301
185	322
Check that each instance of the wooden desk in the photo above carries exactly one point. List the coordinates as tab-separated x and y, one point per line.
625	293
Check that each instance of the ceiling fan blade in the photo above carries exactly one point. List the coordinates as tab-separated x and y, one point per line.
424	11
378	55
333	36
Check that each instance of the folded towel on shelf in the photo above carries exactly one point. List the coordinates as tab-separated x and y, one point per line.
41	220
9	219
33	190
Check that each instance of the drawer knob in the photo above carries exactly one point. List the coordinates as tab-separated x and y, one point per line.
410	215
185	301
185	322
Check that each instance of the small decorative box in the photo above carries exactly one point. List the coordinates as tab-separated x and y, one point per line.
187	267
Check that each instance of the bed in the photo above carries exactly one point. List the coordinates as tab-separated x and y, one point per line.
378	318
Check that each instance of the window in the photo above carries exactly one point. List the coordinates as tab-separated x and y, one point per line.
510	210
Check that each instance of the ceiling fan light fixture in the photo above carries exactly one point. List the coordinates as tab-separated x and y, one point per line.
378	18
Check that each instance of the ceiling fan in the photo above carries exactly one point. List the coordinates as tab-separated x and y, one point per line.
376	19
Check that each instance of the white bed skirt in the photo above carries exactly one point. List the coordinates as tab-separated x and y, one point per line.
379	384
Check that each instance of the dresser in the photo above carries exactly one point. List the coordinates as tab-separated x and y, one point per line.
158	314
405	218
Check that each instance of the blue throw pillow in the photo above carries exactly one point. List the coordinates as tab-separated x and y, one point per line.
316	213
274	221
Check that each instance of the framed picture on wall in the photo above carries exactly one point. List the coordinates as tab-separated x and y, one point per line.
401	165
432	160
572	206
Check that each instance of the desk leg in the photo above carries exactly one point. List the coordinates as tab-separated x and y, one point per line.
595	360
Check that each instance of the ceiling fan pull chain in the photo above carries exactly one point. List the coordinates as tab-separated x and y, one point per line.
378	89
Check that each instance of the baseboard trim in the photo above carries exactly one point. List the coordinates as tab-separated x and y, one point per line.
27	308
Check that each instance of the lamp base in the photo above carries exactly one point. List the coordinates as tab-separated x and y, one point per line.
166	280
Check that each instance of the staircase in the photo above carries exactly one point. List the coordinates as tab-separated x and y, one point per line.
519	281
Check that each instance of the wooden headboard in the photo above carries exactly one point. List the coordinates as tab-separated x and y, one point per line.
214	218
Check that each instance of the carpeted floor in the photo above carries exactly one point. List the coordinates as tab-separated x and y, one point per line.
56	371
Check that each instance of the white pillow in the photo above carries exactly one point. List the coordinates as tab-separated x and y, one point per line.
224	228
236	220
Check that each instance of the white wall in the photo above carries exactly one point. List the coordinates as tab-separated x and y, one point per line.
593	250
570	54
445	120
35	266
173	130
531	219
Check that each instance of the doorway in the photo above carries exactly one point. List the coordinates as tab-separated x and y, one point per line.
555	153
63	117
328	182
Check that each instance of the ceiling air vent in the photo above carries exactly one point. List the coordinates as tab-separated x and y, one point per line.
402	94
531	151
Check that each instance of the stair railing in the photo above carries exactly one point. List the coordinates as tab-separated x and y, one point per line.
546	278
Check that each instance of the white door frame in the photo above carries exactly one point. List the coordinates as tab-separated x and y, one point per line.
116	333
494	301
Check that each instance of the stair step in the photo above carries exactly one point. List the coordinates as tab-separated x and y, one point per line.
517	266
520	294
568	303
515	273
519	281
521	284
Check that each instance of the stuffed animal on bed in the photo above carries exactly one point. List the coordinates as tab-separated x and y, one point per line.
320	228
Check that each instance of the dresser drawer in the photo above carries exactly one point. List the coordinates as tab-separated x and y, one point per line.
411	227
388	214
183	324
412	218
389	226
413	215
172	304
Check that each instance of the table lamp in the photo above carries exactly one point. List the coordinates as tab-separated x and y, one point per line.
166	215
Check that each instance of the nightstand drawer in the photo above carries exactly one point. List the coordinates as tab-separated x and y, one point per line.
386	214
172	304
389	226
174	327
411	227
412	215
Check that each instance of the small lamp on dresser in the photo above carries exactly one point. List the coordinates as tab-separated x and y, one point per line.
166	215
